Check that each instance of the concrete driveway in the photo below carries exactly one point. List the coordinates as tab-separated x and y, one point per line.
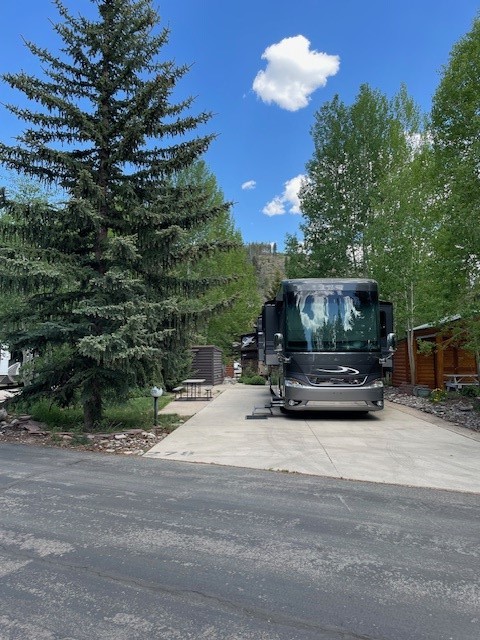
398	445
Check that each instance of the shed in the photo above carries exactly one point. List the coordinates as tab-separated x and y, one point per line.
207	363
447	365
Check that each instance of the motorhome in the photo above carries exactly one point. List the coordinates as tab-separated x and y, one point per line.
9	370
324	344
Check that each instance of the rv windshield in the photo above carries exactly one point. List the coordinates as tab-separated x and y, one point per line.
331	320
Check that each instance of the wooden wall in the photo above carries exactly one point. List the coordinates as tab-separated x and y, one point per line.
446	359
401	368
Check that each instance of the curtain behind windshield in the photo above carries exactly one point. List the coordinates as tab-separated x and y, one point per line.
332	321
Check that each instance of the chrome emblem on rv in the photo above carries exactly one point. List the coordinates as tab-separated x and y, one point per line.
339	369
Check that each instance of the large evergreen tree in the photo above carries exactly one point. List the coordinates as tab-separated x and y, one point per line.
103	298
235	298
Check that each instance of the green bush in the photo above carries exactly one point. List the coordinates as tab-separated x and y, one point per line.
438	395
470	392
254	379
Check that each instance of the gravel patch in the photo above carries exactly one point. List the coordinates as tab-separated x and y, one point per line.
456	408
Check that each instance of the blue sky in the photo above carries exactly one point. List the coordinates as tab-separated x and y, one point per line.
263	68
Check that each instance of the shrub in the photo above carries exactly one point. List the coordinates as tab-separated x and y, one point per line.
255	379
438	395
470	392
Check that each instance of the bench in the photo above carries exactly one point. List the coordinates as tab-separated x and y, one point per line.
208	391
178	391
456	382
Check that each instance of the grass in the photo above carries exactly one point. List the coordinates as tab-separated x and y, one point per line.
135	413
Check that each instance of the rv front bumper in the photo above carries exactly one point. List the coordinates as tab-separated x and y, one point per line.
301	397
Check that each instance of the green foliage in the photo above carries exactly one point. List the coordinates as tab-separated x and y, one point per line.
438	395
456	136
274	376
425	347
297	259
370	203
269	267
402	239
394	195
134	413
105	280
232	303
470	392
250	376
252	379
176	365
52	415
354	148
275	285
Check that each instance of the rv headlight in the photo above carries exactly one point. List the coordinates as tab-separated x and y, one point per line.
291	382
376	384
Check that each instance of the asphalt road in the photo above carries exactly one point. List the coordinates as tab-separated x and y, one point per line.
97	547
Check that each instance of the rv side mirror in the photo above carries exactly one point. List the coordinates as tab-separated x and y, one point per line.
391	342
278	342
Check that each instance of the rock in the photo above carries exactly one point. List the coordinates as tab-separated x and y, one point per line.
22	429
33	427
453	408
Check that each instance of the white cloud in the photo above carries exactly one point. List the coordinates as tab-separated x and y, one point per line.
292	187
289	199
274	208
250	184
293	73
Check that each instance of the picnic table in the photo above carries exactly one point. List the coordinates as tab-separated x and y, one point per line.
456	381
193	388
